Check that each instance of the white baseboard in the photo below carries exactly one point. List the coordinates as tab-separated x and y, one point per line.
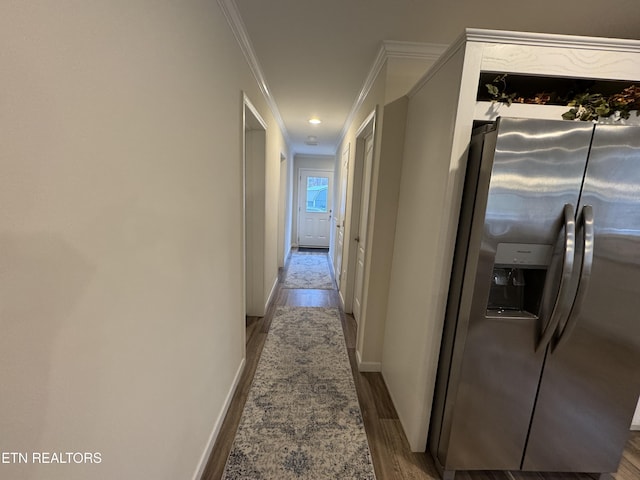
416	447
342	302
218	424
635	428
273	289
367	366
331	269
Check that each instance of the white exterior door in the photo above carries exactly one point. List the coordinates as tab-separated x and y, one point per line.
315	192
340	216
361	237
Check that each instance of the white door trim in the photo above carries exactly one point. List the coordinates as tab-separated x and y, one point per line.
247	103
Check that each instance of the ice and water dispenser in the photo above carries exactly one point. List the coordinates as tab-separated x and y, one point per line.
517	281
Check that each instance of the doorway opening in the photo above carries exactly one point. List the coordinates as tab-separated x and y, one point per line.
254	160
283	193
357	244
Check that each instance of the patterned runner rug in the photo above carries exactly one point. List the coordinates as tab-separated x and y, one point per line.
302	419
308	270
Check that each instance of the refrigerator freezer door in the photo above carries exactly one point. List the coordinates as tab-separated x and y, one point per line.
535	169
591	380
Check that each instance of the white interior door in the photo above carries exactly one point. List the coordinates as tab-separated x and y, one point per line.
339	217
315	192
361	237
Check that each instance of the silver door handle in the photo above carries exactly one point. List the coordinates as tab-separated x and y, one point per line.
562	305
585	274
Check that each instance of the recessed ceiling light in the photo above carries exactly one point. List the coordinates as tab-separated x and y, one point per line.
315	121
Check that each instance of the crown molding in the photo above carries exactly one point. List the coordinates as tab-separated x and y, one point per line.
415	50
526	38
390	49
234	20
551	40
449	52
364	91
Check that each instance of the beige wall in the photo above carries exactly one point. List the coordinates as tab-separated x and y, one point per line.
384	207
393	81
387	162
257	287
121	304
374	98
414	327
402	75
275	147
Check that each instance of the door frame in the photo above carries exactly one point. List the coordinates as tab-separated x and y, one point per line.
254	130
367	127
283	194
340	215
301	204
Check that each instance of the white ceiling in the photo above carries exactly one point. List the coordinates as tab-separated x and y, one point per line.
315	55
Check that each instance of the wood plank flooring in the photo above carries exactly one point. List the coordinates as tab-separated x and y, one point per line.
392	457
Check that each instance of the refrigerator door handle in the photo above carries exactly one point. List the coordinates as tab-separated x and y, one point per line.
585	274
562	305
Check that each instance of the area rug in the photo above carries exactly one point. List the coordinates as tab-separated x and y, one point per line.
308	270
302	419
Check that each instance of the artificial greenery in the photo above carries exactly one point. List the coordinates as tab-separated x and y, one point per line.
497	90
588	107
585	105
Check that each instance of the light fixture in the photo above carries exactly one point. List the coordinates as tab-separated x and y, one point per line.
315	121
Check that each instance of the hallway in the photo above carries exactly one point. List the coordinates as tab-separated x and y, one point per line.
392	456
389	448
124	225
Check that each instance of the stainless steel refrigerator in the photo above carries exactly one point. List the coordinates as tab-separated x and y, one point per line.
540	361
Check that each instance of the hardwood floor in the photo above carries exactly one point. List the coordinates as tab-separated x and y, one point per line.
392	457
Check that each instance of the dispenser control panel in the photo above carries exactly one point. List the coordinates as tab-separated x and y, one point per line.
523	254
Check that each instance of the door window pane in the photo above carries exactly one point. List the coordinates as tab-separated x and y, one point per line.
317	188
